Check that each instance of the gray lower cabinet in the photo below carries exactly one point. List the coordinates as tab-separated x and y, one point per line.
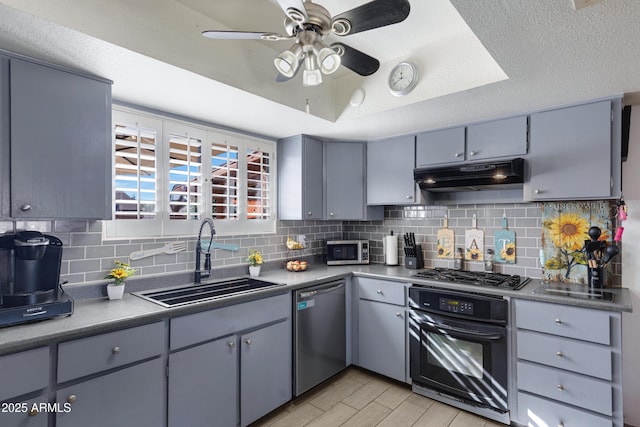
390	165
230	365
129	397
24	373
575	153
382	329
60	142
569	365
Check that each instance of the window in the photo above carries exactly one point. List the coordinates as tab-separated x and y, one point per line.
169	175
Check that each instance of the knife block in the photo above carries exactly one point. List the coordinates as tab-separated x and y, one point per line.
416	262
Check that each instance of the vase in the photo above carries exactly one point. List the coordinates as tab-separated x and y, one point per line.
254	270
115	291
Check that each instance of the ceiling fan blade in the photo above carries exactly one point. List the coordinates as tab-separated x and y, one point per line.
375	14
294	9
243	35
356	61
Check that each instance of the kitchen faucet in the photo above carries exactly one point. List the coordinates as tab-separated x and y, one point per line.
198	275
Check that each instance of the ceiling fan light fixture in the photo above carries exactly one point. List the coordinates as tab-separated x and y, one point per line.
311	76
328	60
288	61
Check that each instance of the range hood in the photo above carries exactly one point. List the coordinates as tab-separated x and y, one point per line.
493	175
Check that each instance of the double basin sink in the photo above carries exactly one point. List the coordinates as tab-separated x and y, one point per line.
202	292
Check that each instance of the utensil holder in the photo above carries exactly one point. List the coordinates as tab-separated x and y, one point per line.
595	278
415	262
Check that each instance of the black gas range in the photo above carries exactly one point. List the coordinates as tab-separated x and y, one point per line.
477	278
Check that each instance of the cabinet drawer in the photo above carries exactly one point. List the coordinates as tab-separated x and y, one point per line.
24	372
578	390
573	322
208	325
559	352
536	411
381	290
94	354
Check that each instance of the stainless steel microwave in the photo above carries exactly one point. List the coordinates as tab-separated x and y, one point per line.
342	252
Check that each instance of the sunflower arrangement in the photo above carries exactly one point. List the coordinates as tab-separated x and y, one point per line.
473	253
443	252
508	253
254	258
120	272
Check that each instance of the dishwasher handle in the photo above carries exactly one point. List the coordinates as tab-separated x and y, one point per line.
321	290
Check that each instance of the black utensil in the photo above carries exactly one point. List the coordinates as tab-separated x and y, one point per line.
594	233
611	251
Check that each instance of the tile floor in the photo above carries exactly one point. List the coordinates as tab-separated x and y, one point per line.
359	398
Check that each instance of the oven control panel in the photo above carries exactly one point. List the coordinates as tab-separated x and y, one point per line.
456	306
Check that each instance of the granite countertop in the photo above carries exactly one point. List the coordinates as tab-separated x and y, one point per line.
94	316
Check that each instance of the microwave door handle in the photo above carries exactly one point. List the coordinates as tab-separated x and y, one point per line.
462	333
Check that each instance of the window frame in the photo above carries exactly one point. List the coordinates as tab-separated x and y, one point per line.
163	225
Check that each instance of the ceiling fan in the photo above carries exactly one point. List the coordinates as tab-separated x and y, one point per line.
309	24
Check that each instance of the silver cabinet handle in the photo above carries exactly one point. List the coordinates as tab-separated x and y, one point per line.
331	213
231	344
247	341
560	387
409	197
309	213
458	154
559	354
473	153
537	191
558	322
115	350
379	292
560	424
71	398
25	208
33	411
399	315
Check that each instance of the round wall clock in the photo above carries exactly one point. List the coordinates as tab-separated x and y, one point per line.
403	78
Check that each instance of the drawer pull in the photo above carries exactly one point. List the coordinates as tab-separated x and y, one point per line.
560	424
25	208
379	292
558	322
248	342
559	354
560	387
71	398
399	315
33	412
115	350
231	344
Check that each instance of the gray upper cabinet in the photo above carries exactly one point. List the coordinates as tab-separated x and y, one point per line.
497	138
345	182
571	154
440	146
300	178
390	165
60	142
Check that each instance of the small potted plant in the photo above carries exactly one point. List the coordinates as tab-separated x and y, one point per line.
255	261
119	273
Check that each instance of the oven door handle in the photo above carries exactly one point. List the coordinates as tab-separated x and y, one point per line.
463	333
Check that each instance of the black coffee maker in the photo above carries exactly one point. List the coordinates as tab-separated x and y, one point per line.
29	278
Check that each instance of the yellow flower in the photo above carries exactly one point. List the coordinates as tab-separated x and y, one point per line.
255	257
508	253
443	252
473	253
120	272
568	230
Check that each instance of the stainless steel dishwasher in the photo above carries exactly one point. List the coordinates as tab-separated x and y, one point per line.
319	334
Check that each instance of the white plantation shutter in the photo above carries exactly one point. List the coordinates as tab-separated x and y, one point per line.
169	175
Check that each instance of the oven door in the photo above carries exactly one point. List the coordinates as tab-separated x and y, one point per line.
463	358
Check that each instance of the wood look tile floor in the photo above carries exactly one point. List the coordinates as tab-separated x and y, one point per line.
357	398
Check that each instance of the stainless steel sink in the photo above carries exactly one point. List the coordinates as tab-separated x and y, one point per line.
193	294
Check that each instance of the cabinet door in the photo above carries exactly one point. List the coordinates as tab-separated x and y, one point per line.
570	156
203	385
381	338
300	178
497	138
440	146
390	165
130	397
344	180
60	144
5	137
265	371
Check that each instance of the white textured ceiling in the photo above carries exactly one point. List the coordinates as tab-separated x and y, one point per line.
480	59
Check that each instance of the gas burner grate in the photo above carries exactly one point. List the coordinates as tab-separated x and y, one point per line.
478	278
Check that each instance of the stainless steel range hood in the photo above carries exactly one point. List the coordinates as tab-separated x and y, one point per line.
503	174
